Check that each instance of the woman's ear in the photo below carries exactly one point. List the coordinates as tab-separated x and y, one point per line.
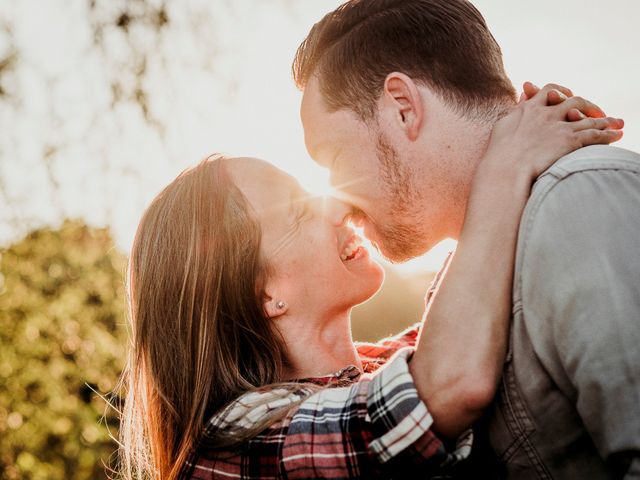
274	307
402	99
276	291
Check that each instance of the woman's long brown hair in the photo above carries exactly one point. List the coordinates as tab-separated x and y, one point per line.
200	337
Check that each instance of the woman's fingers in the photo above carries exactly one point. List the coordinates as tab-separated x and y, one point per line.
531	90
598	124
554	86
602	131
598	137
588	108
554	97
575	115
552	94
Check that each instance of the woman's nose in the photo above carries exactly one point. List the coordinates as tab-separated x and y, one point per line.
337	211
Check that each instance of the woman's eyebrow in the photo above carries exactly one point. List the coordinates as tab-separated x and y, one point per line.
297	196
293	200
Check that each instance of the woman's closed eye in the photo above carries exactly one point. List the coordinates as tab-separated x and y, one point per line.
304	210
300	211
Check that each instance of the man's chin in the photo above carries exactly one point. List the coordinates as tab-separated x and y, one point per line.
397	247
396	253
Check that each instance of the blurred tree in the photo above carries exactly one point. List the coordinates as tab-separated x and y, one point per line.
91	89
113	67
62	335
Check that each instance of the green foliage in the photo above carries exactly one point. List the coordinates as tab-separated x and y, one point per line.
62	334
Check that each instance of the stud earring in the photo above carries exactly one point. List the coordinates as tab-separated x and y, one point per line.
280	305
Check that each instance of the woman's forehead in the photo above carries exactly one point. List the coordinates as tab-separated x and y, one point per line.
254	170
267	188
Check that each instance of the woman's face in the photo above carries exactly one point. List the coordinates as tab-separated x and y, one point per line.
316	260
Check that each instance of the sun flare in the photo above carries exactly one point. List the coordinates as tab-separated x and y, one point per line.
317	184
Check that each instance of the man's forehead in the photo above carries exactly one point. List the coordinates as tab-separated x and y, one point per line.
313	116
311	99
323	130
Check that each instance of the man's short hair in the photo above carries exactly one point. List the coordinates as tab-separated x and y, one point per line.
444	44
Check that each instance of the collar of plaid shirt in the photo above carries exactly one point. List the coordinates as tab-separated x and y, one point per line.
372	355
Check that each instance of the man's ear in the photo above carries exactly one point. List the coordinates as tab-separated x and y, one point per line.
402	97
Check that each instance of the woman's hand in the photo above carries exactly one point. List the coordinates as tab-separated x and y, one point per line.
557	94
545	125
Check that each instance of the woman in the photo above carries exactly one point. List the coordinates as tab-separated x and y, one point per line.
241	285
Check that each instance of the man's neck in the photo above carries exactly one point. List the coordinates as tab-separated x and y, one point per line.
468	150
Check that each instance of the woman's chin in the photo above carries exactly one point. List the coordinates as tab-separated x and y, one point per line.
369	282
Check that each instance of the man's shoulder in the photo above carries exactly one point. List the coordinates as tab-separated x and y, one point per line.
593	158
585	207
579	175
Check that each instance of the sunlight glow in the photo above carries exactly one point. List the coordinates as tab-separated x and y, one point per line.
318	184
429	262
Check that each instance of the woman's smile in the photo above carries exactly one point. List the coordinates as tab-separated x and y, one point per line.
351	247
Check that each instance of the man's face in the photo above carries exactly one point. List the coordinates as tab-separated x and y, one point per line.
374	174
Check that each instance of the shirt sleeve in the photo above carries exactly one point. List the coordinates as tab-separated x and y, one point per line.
378	424
382	350
581	303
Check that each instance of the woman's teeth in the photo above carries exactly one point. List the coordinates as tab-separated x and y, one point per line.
350	249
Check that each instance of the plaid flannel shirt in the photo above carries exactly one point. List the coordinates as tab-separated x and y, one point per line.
362	425
370	425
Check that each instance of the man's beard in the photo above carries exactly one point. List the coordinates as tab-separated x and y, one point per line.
401	239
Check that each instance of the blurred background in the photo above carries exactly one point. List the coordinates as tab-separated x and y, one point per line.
103	102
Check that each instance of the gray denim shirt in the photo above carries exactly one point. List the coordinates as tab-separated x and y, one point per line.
568	406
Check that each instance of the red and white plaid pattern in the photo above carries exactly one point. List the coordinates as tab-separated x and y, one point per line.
371	425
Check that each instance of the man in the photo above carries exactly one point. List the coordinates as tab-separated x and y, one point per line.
400	98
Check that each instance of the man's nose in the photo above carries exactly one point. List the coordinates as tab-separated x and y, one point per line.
337	211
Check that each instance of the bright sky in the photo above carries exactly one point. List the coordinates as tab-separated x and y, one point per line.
247	105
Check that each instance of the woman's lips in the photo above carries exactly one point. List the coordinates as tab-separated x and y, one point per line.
360	252
350	247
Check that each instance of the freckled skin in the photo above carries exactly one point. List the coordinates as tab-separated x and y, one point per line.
304	254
